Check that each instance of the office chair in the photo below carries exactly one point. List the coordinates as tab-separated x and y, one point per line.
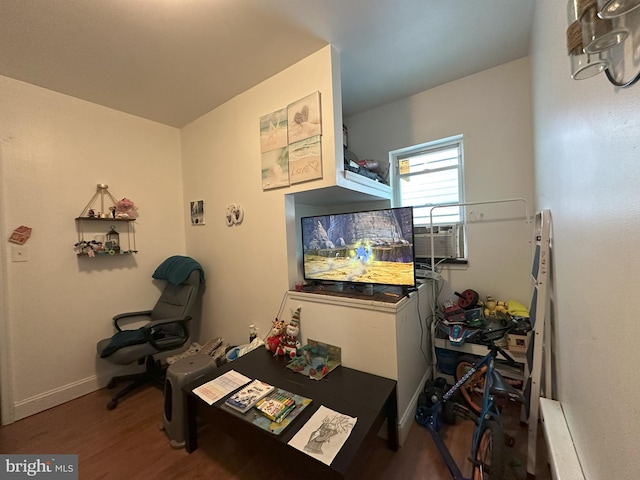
166	327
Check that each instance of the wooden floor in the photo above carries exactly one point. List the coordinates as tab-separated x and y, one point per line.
127	443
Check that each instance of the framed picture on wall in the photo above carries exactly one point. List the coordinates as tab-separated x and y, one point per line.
275	168
197	212
303	118
305	160
273	130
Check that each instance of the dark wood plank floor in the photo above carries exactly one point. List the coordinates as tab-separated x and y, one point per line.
127	443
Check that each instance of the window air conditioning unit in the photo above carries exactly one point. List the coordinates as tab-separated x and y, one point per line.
446	241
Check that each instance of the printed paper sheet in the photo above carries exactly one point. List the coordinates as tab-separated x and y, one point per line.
219	387
324	434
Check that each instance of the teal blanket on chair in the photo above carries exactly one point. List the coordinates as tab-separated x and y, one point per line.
177	269
125	338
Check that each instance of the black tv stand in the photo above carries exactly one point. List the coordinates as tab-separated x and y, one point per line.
385	293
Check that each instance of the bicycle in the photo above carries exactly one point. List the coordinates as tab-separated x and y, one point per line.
487	457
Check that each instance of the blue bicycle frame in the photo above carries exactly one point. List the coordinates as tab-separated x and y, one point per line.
431	418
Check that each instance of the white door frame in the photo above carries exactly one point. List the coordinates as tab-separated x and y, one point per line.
7	411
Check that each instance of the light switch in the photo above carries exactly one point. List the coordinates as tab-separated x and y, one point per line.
19	253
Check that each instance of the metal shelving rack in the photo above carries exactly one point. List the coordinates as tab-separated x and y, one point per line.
537	359
434	283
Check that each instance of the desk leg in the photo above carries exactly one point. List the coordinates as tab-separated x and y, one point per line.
392	420
191	427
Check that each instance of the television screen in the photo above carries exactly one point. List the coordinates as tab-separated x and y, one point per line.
371	247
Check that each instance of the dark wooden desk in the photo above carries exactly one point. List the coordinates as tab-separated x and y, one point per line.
370	398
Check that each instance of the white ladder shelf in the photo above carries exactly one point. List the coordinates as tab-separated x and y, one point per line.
539	347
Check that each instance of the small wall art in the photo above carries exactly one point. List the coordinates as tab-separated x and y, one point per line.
197	212
304	118
305	160
290	143
275	168
273	130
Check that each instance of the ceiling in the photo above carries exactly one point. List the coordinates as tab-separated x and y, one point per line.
172	61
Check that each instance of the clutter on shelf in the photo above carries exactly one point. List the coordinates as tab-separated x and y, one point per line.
123	212
460	321
236	352
216	348
123	209
372	169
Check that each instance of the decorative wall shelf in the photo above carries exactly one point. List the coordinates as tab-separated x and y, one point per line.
100	239
96	237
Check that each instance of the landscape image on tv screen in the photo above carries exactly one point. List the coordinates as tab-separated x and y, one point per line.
373	247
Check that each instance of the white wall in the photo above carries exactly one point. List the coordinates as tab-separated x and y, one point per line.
492	110
249	265
587	174
54	149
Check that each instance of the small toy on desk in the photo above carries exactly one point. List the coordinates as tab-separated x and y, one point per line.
276	333
316	360
289	343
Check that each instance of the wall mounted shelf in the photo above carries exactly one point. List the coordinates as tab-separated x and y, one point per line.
94	232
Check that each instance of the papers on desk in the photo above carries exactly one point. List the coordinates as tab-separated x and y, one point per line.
221	386
324	434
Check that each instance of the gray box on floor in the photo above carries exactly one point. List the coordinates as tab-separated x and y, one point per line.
181	372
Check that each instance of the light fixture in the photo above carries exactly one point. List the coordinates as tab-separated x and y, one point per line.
615	8
583	65
594	32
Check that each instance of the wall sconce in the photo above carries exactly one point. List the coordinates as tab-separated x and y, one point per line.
595	29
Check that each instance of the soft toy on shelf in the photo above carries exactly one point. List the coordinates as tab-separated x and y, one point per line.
493	308
273	339
289	343
125	208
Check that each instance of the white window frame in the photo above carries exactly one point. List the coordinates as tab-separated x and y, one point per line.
424	224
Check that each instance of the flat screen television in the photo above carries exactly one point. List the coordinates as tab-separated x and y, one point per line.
367	247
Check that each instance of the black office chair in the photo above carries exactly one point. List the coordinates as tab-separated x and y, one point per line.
166	327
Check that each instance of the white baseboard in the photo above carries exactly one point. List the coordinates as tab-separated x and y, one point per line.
408	417
58	396
66	393
563	458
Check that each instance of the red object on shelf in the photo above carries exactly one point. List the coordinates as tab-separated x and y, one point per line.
20	235
454	313
468	299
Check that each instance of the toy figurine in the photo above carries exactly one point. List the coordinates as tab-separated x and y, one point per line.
276	333
125	208
289	343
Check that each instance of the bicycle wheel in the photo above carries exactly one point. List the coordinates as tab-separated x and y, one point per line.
473	389
489	459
